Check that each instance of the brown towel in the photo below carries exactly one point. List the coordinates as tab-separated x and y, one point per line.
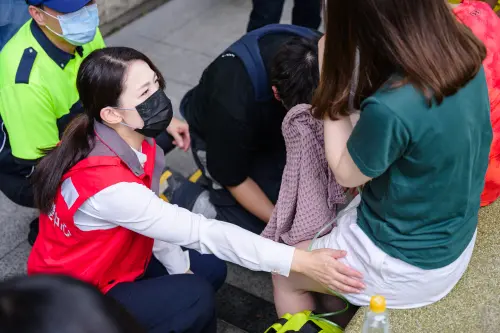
309	194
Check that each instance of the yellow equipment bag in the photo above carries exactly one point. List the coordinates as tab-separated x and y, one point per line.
304	322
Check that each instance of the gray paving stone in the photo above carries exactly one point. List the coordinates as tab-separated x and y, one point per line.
14	263
286	17
214	30
175	91
223	327
179	65
181	162
130	38
14	221
172	16
255	283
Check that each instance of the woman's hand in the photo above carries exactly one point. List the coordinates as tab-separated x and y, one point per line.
322	266
179	129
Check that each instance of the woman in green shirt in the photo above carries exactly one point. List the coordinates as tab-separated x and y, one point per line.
420	148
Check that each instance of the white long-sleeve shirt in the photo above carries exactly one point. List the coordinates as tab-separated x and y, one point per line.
137	208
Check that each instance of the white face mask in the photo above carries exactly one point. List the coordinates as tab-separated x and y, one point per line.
78	28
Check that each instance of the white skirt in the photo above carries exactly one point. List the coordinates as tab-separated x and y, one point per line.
403	285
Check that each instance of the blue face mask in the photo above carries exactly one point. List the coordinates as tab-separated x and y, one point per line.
78	28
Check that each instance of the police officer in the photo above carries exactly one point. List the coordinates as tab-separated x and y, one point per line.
38	96
235	115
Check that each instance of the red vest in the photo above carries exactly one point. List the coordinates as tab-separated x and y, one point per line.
103	258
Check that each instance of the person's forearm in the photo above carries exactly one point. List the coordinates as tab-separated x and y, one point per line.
226	241
337	133
252	198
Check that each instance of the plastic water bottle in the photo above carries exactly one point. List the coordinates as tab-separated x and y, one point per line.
376	319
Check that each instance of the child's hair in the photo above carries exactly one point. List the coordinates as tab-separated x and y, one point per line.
295	71
58	304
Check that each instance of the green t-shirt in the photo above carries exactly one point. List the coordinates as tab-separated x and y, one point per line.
38	94
428	167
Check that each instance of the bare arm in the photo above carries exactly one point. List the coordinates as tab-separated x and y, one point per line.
336	134
340	161
252	198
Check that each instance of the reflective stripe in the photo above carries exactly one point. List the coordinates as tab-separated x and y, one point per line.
31	172
69	192
4	137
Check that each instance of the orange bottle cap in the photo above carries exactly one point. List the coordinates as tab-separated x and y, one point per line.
377	304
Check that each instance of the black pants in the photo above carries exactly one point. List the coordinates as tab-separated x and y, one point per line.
165	141
306	13
165	303
17	188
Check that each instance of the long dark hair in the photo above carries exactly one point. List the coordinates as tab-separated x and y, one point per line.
100	83
419	41
47	304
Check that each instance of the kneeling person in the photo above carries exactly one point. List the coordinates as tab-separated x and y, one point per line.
235	115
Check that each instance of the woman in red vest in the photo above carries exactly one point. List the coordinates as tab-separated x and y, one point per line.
102	221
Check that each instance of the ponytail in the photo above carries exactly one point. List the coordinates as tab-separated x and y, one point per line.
76	143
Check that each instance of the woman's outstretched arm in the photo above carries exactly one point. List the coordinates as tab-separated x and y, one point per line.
135	207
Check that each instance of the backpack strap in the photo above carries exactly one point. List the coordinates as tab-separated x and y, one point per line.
247	49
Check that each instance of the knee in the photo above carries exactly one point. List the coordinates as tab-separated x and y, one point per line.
278	283
278	280
282	285
219	272
204	305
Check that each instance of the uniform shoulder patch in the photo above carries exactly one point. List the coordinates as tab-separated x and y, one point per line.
228	54
26	65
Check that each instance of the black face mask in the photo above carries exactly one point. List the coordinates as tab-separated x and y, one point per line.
156	112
